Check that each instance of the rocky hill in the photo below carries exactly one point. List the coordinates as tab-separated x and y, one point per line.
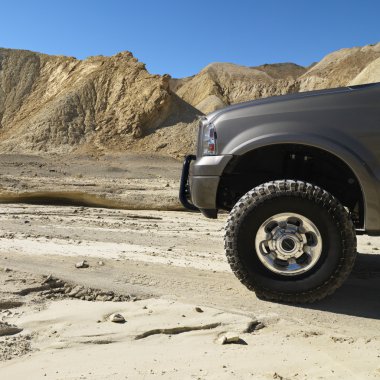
60	104
220	84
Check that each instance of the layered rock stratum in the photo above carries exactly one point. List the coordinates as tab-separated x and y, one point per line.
58	104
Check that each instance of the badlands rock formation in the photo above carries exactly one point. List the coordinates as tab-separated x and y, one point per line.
339	68
370	74
59	104
220	84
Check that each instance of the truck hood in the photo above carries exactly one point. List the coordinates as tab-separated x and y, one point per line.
276	99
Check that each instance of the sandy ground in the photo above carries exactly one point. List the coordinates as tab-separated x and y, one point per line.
129	181
165	272
165	264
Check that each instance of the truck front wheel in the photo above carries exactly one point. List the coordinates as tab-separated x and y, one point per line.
290	241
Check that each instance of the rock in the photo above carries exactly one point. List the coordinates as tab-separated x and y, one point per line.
82	264
101	263
67	289
198	309
107	293
103	298
117	318
48	279
231	338
7	270
82	293
7	329
75	291
254	326
278	376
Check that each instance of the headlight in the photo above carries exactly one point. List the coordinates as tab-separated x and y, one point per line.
209	140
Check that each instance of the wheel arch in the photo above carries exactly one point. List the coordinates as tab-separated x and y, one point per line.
350	159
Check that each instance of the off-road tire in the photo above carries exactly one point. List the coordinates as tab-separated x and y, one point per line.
339	241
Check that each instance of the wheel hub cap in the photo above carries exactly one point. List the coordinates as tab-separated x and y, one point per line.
288	244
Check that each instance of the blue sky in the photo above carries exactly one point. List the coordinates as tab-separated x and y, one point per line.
181	37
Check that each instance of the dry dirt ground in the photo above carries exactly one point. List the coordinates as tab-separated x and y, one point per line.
130	181
166	274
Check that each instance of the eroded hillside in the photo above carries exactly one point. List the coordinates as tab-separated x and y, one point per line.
59	104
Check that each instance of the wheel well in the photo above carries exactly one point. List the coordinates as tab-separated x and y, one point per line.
292	161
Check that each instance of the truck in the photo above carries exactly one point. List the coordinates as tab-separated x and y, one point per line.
299	175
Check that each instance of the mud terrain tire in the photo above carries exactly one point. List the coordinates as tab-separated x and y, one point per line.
338	241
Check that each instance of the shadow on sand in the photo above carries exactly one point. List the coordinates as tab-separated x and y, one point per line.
360	294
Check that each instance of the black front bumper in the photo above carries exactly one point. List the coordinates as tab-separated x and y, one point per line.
184	191
184	187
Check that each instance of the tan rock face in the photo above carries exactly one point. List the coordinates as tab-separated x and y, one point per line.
61	104
220	84
370	74
339	68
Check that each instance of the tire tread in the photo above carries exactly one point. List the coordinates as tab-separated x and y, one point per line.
315	194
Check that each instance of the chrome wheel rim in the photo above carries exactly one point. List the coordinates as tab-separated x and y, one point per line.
288	244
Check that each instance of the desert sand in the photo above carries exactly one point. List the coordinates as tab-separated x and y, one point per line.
127	180
179	300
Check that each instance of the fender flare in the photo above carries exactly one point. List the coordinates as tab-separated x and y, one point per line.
357	161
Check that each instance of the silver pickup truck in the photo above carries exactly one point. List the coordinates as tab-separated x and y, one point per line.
300	176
